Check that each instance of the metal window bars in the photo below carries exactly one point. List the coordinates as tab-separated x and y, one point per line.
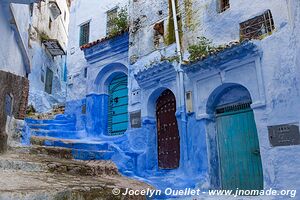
224	5
256	27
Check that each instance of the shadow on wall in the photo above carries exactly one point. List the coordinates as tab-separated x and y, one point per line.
13	101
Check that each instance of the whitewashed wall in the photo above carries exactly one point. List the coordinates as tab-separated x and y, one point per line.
83	11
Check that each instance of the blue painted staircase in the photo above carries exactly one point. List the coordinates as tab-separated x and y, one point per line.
61	132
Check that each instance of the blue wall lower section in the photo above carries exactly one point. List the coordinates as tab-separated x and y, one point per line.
74	109
96	114
136	152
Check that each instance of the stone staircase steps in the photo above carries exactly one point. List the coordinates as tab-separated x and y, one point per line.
49	121
56	133
66	127
69	143
71	149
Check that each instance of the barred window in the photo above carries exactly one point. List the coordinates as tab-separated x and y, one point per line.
223	5
111	16
258	26
84	34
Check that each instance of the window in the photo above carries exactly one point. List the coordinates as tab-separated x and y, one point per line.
258	26
50	23
65	15
85	72
111	15
42	75
223	5
49	79
31	6
84	34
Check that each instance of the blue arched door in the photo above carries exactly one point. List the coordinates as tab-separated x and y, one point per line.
118	105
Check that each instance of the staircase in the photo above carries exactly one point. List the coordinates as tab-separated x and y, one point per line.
60	133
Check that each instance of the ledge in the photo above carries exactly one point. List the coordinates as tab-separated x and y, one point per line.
106	48
159	73
216	61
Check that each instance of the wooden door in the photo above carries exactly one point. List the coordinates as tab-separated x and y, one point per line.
118	106
167	131
240	161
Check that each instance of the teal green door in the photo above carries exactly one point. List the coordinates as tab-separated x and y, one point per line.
239	154
118	106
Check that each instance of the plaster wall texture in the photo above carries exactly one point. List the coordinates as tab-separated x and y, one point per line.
59	26
11	53
81	12
42	59
268	69
272	81
271	76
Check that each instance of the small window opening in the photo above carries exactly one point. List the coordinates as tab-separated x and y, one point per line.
111	16
159	28
257	27
42	75
83	109
223	5
50	23
65	15
31	6
85	72
84	34
49	81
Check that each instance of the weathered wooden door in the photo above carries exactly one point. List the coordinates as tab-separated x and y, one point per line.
49	79
167	131
118	106
240	161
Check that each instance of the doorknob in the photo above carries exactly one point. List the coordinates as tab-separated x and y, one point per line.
256	152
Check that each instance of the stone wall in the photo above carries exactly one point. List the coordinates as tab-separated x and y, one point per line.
17	87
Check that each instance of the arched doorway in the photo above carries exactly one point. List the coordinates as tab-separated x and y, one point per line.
118	105
168	140
237	140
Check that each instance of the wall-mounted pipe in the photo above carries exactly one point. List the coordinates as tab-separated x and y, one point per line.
180	85
179	54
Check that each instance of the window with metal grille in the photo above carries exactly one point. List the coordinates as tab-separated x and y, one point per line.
111	16
84	34
223	5
258	26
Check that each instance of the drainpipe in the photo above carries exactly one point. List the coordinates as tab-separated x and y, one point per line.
180	86
178	49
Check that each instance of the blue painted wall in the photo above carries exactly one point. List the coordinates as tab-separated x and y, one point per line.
96	115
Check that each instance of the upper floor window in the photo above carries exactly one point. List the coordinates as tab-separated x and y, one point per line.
50	23
84	34
111	16
31	6
257	27
65	15
223	5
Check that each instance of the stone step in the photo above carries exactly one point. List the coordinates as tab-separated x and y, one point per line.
58	160
77	144
62	127
13	164
49	121
56	133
